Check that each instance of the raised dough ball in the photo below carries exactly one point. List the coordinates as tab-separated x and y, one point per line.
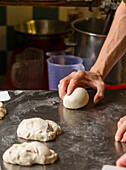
77	99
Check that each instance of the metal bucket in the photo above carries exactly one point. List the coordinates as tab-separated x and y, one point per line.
89	38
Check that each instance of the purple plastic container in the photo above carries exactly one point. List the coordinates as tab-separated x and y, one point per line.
60	66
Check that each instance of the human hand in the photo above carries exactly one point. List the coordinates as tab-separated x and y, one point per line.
121	162
85	79
121	130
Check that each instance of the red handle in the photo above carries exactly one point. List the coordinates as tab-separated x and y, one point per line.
116	87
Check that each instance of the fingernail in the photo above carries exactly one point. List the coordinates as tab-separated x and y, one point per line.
116	138
123	140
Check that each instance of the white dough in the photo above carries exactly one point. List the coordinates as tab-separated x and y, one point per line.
77	99
26	154
2	105
38	129
2	110
1	115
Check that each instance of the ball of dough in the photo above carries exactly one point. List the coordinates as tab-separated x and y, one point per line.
77	99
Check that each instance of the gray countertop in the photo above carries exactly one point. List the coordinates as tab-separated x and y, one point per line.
87	141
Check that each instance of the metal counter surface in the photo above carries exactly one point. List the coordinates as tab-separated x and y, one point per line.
87	141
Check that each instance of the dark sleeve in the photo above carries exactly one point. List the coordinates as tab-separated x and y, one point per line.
124	1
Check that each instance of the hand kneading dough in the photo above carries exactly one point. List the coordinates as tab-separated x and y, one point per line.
77	99
2	110
27	154
38	129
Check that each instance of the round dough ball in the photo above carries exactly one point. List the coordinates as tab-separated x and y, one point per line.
77	99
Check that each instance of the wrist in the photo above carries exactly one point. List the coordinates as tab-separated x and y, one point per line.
97	71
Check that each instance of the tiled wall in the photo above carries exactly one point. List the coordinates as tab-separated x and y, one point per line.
11	16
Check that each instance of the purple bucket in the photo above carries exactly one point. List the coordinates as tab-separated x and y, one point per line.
60	66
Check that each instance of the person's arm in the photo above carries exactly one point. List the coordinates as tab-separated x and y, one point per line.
113	49
114	46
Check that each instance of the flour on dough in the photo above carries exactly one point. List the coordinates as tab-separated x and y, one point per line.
38	129
77	99
2	110
26	154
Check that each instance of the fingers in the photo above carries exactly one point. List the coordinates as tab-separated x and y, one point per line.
64	84
100	92
121	162
75	81
95	80
62	90
124	138
121	121
120	132
82	79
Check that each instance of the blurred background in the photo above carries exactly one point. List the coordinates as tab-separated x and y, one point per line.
10	44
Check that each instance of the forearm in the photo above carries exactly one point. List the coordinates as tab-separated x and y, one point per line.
114	46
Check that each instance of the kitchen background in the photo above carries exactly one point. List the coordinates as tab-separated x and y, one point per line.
13	15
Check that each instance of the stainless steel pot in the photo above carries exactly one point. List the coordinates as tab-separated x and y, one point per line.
88	36
45	34
88	40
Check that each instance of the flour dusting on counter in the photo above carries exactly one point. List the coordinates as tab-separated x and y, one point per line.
17	92
8	135
87	141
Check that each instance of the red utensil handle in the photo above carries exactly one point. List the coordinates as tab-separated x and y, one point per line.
115	87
